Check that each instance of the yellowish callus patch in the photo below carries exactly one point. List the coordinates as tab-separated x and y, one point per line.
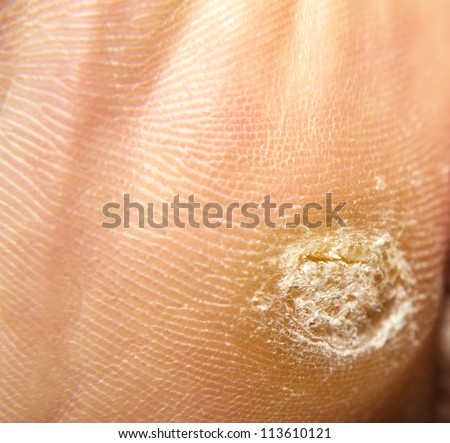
344	291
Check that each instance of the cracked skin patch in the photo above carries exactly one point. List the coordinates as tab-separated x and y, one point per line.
343	292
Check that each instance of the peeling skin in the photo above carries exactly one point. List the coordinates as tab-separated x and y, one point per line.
344	292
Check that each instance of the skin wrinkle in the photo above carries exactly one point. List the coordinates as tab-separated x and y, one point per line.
229	101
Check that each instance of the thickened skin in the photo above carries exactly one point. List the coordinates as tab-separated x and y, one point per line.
229	101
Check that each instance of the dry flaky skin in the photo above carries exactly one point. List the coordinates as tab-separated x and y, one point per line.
345	292
228	101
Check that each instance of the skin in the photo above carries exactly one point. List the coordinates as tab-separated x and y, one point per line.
229	101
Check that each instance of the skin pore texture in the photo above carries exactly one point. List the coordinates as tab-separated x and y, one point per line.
229	101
